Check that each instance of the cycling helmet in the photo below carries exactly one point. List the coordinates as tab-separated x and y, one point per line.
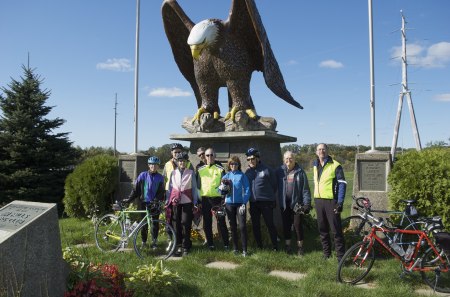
252	152
154	160
175	146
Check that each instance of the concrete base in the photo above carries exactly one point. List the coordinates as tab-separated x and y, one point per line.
370	178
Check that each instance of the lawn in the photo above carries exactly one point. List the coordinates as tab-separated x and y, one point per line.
251	277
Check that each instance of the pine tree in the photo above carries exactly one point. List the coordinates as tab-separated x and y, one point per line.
34	160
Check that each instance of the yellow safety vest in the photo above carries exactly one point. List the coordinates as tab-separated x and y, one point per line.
210	177
323	188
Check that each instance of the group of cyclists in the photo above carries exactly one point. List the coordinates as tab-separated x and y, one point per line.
214	189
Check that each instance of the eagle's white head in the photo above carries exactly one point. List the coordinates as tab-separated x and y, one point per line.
203	34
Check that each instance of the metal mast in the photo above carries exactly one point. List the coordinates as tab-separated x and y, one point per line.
405	92
115	124
136	78
372	76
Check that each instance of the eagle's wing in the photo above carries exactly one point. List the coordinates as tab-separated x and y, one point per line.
177	26
244	20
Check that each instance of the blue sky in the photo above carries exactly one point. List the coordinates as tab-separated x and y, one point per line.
84	51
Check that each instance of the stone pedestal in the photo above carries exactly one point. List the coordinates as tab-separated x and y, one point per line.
227	144
31	262
370	177
130	166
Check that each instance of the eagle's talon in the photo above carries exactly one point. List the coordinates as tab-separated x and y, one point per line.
197	115
216	115
251	113
231	114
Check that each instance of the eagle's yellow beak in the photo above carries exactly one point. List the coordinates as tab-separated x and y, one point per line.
196	50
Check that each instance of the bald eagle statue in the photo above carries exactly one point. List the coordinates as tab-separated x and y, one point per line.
216	53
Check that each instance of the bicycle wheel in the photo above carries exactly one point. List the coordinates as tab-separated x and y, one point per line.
434	272
160	246
108	233
354	228
356	263
404	240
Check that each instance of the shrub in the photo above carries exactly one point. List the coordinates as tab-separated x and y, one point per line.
89	187
424	176
153	280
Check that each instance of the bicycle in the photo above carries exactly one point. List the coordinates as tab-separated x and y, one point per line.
112	232
430	260
357	226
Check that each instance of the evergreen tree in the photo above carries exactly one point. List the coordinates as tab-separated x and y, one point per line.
34	160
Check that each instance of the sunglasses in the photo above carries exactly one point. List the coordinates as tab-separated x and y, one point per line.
234	163
209	155
250	159
202	154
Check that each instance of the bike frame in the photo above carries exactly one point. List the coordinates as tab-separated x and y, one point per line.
122	218
415	260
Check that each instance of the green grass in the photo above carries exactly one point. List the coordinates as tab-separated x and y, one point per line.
251	277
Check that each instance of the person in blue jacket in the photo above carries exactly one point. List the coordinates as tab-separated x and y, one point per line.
236	188
294	197
263	185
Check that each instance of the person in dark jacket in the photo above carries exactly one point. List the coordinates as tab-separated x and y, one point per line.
263	185
148	187
294	198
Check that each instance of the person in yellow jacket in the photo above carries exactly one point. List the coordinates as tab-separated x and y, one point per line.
329	194
209	178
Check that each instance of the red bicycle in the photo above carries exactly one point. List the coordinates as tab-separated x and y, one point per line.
430	258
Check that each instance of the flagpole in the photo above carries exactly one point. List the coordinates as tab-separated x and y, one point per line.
136	78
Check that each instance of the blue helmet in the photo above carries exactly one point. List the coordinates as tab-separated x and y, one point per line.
252	152
154	160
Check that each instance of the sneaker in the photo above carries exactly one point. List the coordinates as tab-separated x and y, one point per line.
178	252
244	254
153	246
226	247
211	247
235	252
185	252
288	249
326	257
300	251
275	249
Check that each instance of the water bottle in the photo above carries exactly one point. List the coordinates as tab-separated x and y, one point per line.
127	223
133	226
409	252
398	249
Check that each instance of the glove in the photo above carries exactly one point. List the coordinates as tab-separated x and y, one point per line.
175	201
124	203
242	210
338	208
306	209
297	208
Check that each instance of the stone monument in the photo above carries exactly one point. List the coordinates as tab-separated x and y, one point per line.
30	250
370	178
129	168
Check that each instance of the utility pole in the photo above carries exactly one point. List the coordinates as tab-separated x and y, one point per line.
405	92
115	125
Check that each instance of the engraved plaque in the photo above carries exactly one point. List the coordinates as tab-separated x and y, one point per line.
127	170
222	150
14	216
372	176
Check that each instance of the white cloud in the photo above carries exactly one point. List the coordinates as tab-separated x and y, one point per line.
435	56
292	62
114	64
442	97
331	64
168	92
